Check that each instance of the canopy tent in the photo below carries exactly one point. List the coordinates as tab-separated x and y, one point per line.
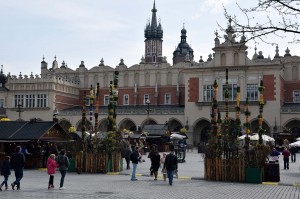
298	138
255	137
177	136
297	143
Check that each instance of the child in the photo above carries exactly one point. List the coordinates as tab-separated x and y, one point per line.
162	162
5	171
51	167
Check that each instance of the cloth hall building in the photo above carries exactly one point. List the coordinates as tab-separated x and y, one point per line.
179	93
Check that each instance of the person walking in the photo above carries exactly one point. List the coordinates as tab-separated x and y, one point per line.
155	159
17	163
171	165
127	153
63	164
151	153
135	158
293	151
5	172
51	169
162	162
286	157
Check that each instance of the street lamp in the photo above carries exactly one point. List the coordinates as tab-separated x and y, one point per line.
148	109
19	110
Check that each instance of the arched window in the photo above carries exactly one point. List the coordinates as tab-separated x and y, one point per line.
147	79
295	73
126	79
154	59
236	59
158	78
223	59
169	78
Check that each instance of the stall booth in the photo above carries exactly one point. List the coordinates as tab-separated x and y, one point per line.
179	142
37	139
157	134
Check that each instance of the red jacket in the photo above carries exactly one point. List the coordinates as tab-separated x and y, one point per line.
51	166
286	154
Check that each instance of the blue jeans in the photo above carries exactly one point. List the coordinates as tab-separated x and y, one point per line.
62	179
19	176
5	181
170	176
133	171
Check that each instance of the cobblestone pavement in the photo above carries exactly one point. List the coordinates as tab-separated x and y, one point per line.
34	185
189	185
193	168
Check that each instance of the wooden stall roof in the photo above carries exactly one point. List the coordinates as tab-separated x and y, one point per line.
156	130
32	130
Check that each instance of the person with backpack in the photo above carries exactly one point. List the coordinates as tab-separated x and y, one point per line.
171	165
135	158
63	163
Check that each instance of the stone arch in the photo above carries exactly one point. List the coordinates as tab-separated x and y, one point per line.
293	125
254	126
128	124
148	121
102	127
201	131
79	125
174	125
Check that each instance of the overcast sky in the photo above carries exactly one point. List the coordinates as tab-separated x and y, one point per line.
88	30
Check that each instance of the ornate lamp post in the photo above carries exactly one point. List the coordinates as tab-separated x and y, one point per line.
19	110
148	109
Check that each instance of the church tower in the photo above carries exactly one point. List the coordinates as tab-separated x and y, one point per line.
153	41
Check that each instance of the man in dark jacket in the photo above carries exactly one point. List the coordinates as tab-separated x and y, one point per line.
17	163
293	151
135	158
171	165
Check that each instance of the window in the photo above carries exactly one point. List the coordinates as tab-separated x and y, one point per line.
296	96
232	90
126	99
167	98
42	100
106	99
30	101
18	100
208	93
1	103
146	97
252	92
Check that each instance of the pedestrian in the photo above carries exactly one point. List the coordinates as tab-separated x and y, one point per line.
155	159
51	169
274	155
151	153
171	165
162	162
63	164
17	163
5	172
135	158
286	157
46	153
127	153
293	151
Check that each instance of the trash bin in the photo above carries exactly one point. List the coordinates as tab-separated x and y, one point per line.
72	165
271	172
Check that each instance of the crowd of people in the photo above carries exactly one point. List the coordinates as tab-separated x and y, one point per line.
17	162
286	153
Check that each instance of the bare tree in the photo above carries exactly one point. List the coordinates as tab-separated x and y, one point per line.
276	17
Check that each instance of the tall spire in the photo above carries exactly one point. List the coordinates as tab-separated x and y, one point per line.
154	21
